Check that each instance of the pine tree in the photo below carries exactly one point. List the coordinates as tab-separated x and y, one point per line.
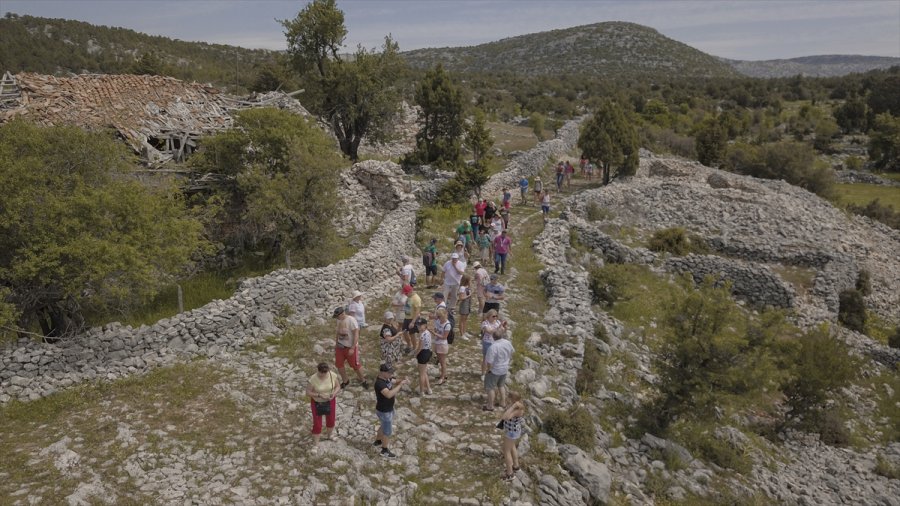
610	140
438	142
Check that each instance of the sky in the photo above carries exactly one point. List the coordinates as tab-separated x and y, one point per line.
738	29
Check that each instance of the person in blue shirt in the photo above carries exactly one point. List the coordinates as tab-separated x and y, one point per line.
523	188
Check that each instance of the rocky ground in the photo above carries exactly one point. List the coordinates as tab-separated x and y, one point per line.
232	427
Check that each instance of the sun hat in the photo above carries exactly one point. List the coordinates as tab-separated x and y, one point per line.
356	293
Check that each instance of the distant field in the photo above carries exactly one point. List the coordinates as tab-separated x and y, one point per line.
512	138
862	194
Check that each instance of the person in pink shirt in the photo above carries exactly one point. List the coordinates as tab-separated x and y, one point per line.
502	247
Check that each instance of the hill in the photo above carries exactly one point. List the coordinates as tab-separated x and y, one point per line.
614	49
61	46
829	65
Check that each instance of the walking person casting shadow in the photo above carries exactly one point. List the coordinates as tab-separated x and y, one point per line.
323	388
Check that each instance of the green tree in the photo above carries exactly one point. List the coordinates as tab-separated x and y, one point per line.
884	142
283	172
826	130
711	139
851	115
883	96
441	116
78	233
479	139
148	64
795	162
610	140
536	120
356	96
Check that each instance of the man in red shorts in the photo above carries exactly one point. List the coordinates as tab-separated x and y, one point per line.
346	347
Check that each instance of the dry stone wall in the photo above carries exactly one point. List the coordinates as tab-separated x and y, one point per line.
30	370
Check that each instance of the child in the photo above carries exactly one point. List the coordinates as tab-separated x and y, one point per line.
513	425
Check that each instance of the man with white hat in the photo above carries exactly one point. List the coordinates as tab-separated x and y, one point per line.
453	271
357	309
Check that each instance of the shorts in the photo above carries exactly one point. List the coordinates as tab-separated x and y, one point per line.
387	422
423	357
492	381
343	354
465	307
441	349
514	434
485	345
431	270
545	209
406	324
491	305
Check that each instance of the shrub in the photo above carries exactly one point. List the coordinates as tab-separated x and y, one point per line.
606	285
853	162
592	372
864	282
878	212
572	426
702	443
830	425
894	339
596	213
852	310
884	467
821	365
676	241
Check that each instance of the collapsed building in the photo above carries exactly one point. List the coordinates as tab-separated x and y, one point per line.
160	117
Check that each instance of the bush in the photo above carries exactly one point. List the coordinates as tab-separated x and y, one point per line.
606	285
676	241
795	162
573	426
592	372
864	282
829	424
702	443
596	213
852	310
821	365
878	212
894	339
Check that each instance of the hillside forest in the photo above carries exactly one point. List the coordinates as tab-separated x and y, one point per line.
279	195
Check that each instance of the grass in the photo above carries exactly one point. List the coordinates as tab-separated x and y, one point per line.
514	138
802	278
862	194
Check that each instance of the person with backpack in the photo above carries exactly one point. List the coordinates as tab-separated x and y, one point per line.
429	260
523	189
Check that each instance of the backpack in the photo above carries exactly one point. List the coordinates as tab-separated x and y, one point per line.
452	319
412	276
427	258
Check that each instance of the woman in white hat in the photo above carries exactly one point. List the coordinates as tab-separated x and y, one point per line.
357	309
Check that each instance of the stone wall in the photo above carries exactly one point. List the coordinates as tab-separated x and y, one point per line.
756	284
30	370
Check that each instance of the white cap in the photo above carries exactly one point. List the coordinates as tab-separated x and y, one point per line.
454	255
388	315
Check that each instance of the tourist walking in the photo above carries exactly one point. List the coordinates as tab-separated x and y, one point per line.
538	189
411	312
429	260
513	427
465	305
322	389
405	272
391	343
545	206
484	246
453	271
357	309
495	368
442	329
490	325
346	346
523	189
494	294
502	250
560	175
423	355
569	171
482	278
386	389
398	301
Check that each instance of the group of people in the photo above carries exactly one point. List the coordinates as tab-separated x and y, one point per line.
410	334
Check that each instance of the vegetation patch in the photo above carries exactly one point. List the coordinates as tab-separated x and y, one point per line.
676	241
573	426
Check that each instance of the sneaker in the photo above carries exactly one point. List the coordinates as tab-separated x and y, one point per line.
365	384
314	450
428	392
387	454
344	384
377	442
465	337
